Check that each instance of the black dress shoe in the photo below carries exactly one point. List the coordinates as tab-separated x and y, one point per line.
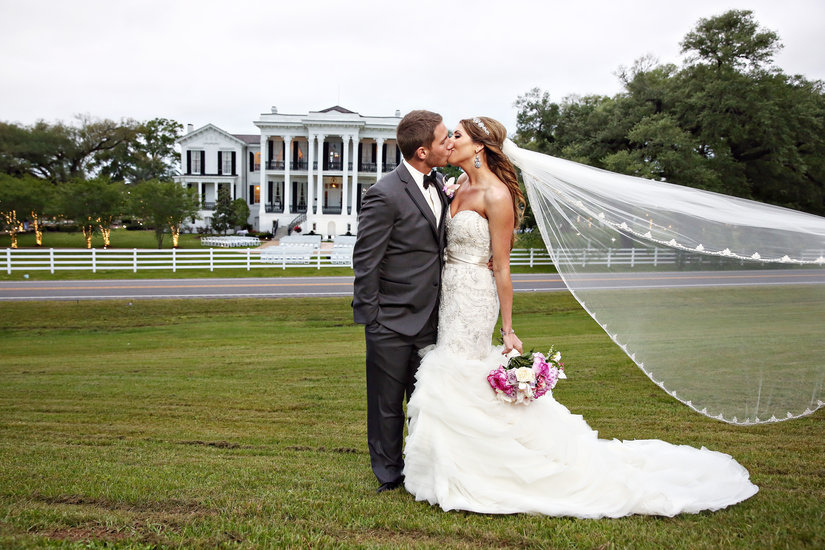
390	485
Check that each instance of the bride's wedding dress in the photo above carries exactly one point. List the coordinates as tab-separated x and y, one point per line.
466	450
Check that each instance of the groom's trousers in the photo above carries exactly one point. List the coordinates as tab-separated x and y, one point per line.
392	361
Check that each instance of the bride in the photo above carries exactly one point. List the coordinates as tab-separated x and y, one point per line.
467	450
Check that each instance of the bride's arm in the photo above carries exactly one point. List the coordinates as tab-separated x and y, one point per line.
499	209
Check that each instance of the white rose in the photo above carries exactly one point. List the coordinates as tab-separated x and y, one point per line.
525	374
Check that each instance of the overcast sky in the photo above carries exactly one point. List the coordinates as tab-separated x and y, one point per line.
225	62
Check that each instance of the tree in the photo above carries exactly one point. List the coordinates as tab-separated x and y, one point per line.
93	205
223	217
241	212
12	205
164	204
732	40
40	204
727	120
25	199
59	152
150	154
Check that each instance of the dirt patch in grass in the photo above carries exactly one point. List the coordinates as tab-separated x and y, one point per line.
216	444
169	507
83	534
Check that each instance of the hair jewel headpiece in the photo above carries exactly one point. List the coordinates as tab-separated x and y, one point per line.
481	125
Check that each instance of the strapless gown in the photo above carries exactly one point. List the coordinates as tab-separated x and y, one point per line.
466	450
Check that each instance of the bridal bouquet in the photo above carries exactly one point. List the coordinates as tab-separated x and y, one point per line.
526	377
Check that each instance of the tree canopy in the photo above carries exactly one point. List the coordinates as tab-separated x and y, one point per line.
727	120
164	205
126	151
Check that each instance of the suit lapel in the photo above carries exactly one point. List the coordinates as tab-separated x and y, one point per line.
418	198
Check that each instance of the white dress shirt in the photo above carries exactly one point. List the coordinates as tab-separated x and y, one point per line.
431	193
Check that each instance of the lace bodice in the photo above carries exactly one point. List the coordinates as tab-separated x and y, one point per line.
468	233
469	302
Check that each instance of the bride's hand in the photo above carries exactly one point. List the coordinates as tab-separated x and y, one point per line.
511	342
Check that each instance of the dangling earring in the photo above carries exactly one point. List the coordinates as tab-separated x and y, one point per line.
477	162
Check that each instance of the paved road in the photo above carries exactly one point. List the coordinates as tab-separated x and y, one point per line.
281	287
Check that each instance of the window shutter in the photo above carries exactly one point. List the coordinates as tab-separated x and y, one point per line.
269	149
384	153
234	171
203	162
251	161
220	163
397	155
375	153
188	162
251	194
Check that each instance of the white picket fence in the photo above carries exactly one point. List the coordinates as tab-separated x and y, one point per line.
286	255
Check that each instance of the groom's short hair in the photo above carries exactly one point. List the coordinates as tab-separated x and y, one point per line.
416	129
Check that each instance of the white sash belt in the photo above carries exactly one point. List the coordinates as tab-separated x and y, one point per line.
458	257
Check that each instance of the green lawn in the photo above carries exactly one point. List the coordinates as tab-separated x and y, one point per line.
121	238
241	423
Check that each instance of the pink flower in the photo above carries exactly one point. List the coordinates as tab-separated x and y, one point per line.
498	380
541	387
540	366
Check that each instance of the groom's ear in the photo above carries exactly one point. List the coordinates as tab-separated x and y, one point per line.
421	153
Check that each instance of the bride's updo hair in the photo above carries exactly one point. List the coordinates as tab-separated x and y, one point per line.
491	133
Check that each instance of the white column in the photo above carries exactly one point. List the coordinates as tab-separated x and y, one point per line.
287	183
320	209
310	179
262	182
355	160
378	147
344	185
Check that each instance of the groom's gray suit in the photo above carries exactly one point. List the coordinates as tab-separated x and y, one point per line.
397	262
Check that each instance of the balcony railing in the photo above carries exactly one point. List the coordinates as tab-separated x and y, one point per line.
274	207
367	167
332	209
334	165
207	205
390	166
274	165
299	165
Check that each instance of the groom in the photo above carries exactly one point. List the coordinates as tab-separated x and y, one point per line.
397	264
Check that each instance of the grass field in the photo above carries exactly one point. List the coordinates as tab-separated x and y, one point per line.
241	423
121	238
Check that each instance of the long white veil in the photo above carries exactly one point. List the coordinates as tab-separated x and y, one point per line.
748	346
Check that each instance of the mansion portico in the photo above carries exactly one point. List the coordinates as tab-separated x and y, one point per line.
303	169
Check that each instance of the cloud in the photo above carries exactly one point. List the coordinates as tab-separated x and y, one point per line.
225	63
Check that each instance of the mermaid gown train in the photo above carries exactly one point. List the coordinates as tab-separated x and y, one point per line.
466	450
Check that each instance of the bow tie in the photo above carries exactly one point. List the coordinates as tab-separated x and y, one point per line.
430	179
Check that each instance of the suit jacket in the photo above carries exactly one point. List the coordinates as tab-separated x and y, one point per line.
398	255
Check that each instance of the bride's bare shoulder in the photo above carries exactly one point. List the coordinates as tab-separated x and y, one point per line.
496	191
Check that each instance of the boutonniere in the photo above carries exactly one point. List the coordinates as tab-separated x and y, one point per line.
450	187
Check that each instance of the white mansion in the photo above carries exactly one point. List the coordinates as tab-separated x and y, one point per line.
309	170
